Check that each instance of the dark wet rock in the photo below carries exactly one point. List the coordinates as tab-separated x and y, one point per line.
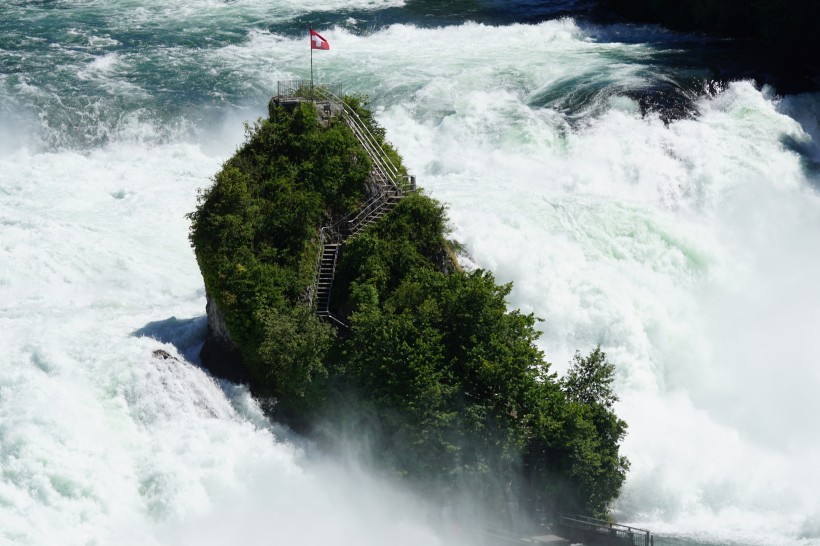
220	355
164	355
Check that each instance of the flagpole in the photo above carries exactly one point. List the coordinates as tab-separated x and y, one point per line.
310	44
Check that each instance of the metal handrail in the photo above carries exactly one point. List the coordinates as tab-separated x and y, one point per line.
381	160
326	233
633	535
370	142
388	177
362	125
373	205
367	139
316	269
602	523
360	129
298	88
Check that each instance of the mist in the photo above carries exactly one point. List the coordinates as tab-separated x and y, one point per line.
686	247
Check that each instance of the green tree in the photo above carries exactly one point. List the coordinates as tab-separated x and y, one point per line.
292	356
594	431
589	380
446	368
254	233
435	367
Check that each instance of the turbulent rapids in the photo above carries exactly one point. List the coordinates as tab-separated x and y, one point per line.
633	202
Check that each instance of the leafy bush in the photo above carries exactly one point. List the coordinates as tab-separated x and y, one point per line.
255	230
443	376
292	357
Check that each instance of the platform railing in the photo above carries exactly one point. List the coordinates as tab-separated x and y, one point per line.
614	532
306	89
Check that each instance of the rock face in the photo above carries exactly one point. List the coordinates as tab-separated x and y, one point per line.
159	354
220	355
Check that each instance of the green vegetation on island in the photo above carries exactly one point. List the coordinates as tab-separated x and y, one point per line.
445	380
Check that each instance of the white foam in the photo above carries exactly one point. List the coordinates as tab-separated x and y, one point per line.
104	63
189	12
101	442
687	250
103	41
684	249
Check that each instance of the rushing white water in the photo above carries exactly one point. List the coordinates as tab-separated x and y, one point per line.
687	250
100	443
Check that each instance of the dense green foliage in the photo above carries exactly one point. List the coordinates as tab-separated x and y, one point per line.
446	380
597	467
255	233
462	393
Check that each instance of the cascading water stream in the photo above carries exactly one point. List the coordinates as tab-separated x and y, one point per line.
685	247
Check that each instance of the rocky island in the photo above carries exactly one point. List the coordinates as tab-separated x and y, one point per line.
424	358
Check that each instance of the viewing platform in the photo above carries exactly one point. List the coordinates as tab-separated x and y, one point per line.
591	531
572	530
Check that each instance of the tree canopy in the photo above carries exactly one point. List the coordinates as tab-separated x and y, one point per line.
443	376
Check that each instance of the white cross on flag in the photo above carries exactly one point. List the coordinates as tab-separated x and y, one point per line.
317	42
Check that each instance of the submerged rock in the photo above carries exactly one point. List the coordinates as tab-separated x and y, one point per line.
163	355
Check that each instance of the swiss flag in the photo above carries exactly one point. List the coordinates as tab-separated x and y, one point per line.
317	42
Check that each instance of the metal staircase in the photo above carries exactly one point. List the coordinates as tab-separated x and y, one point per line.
324	279
392	186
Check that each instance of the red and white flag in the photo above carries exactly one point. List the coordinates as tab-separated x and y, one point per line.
317	42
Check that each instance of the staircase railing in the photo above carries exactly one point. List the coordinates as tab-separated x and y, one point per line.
393	183
369	209
327	235
370	143
305	89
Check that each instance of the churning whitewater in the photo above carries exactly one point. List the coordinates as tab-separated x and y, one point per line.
685	245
